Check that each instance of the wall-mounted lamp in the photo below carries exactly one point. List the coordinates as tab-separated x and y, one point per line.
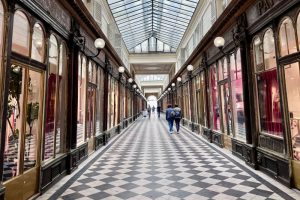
179	79
169	89
190	68
219	43
134	86
99	43
130	80
121	69
173	84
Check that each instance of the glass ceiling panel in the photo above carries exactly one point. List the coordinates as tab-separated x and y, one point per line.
139	20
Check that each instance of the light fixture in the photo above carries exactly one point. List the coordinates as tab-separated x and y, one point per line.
219	42
99	43
130	80
173	84
134	86
190	68
169	89
179	79
121	69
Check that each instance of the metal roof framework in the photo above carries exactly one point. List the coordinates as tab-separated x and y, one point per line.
139	20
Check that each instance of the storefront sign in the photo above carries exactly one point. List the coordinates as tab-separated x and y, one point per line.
56	11
264	5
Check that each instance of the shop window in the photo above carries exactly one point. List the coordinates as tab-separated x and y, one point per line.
81	99
99	101
38	43
258	54
269	50
201	100
91	100
21	34
61	107
214	99
23	121
287	38
292	84
238	112
55	126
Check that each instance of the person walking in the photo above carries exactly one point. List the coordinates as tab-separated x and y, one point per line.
170	114
177	117
158	111
149	111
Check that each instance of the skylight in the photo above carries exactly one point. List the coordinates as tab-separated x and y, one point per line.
141	20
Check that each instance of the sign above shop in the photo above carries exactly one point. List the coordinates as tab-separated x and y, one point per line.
264	5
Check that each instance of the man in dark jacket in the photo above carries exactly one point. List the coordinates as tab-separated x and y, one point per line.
170	114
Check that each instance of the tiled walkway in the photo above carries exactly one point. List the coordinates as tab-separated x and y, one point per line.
146	162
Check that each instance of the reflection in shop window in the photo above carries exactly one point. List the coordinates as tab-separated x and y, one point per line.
258	53
269	50
38	43
21	34
81	99
215	111
99	101
51	99
55	123
287	38
237	95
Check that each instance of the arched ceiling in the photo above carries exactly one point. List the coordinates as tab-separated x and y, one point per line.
165	20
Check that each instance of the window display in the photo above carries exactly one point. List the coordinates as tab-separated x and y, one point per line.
99	101
268	89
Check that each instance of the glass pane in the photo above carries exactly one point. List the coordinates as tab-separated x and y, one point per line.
91	98
225	68
220	70
81	100
14	122
51	99
99	102
61	107
33	110
292	82
116	113
21	34
269	103
214	98
223	107
287	38
258	53
298	29
38	43
238	113
269	50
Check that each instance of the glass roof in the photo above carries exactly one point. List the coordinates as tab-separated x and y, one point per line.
139	20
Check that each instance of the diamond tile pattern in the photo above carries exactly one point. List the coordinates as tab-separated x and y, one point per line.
148	163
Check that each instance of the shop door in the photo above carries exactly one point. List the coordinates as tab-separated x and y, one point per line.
91	106
23	133
292	89
226	114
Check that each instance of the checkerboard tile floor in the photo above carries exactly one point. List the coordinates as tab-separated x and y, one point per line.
148	163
